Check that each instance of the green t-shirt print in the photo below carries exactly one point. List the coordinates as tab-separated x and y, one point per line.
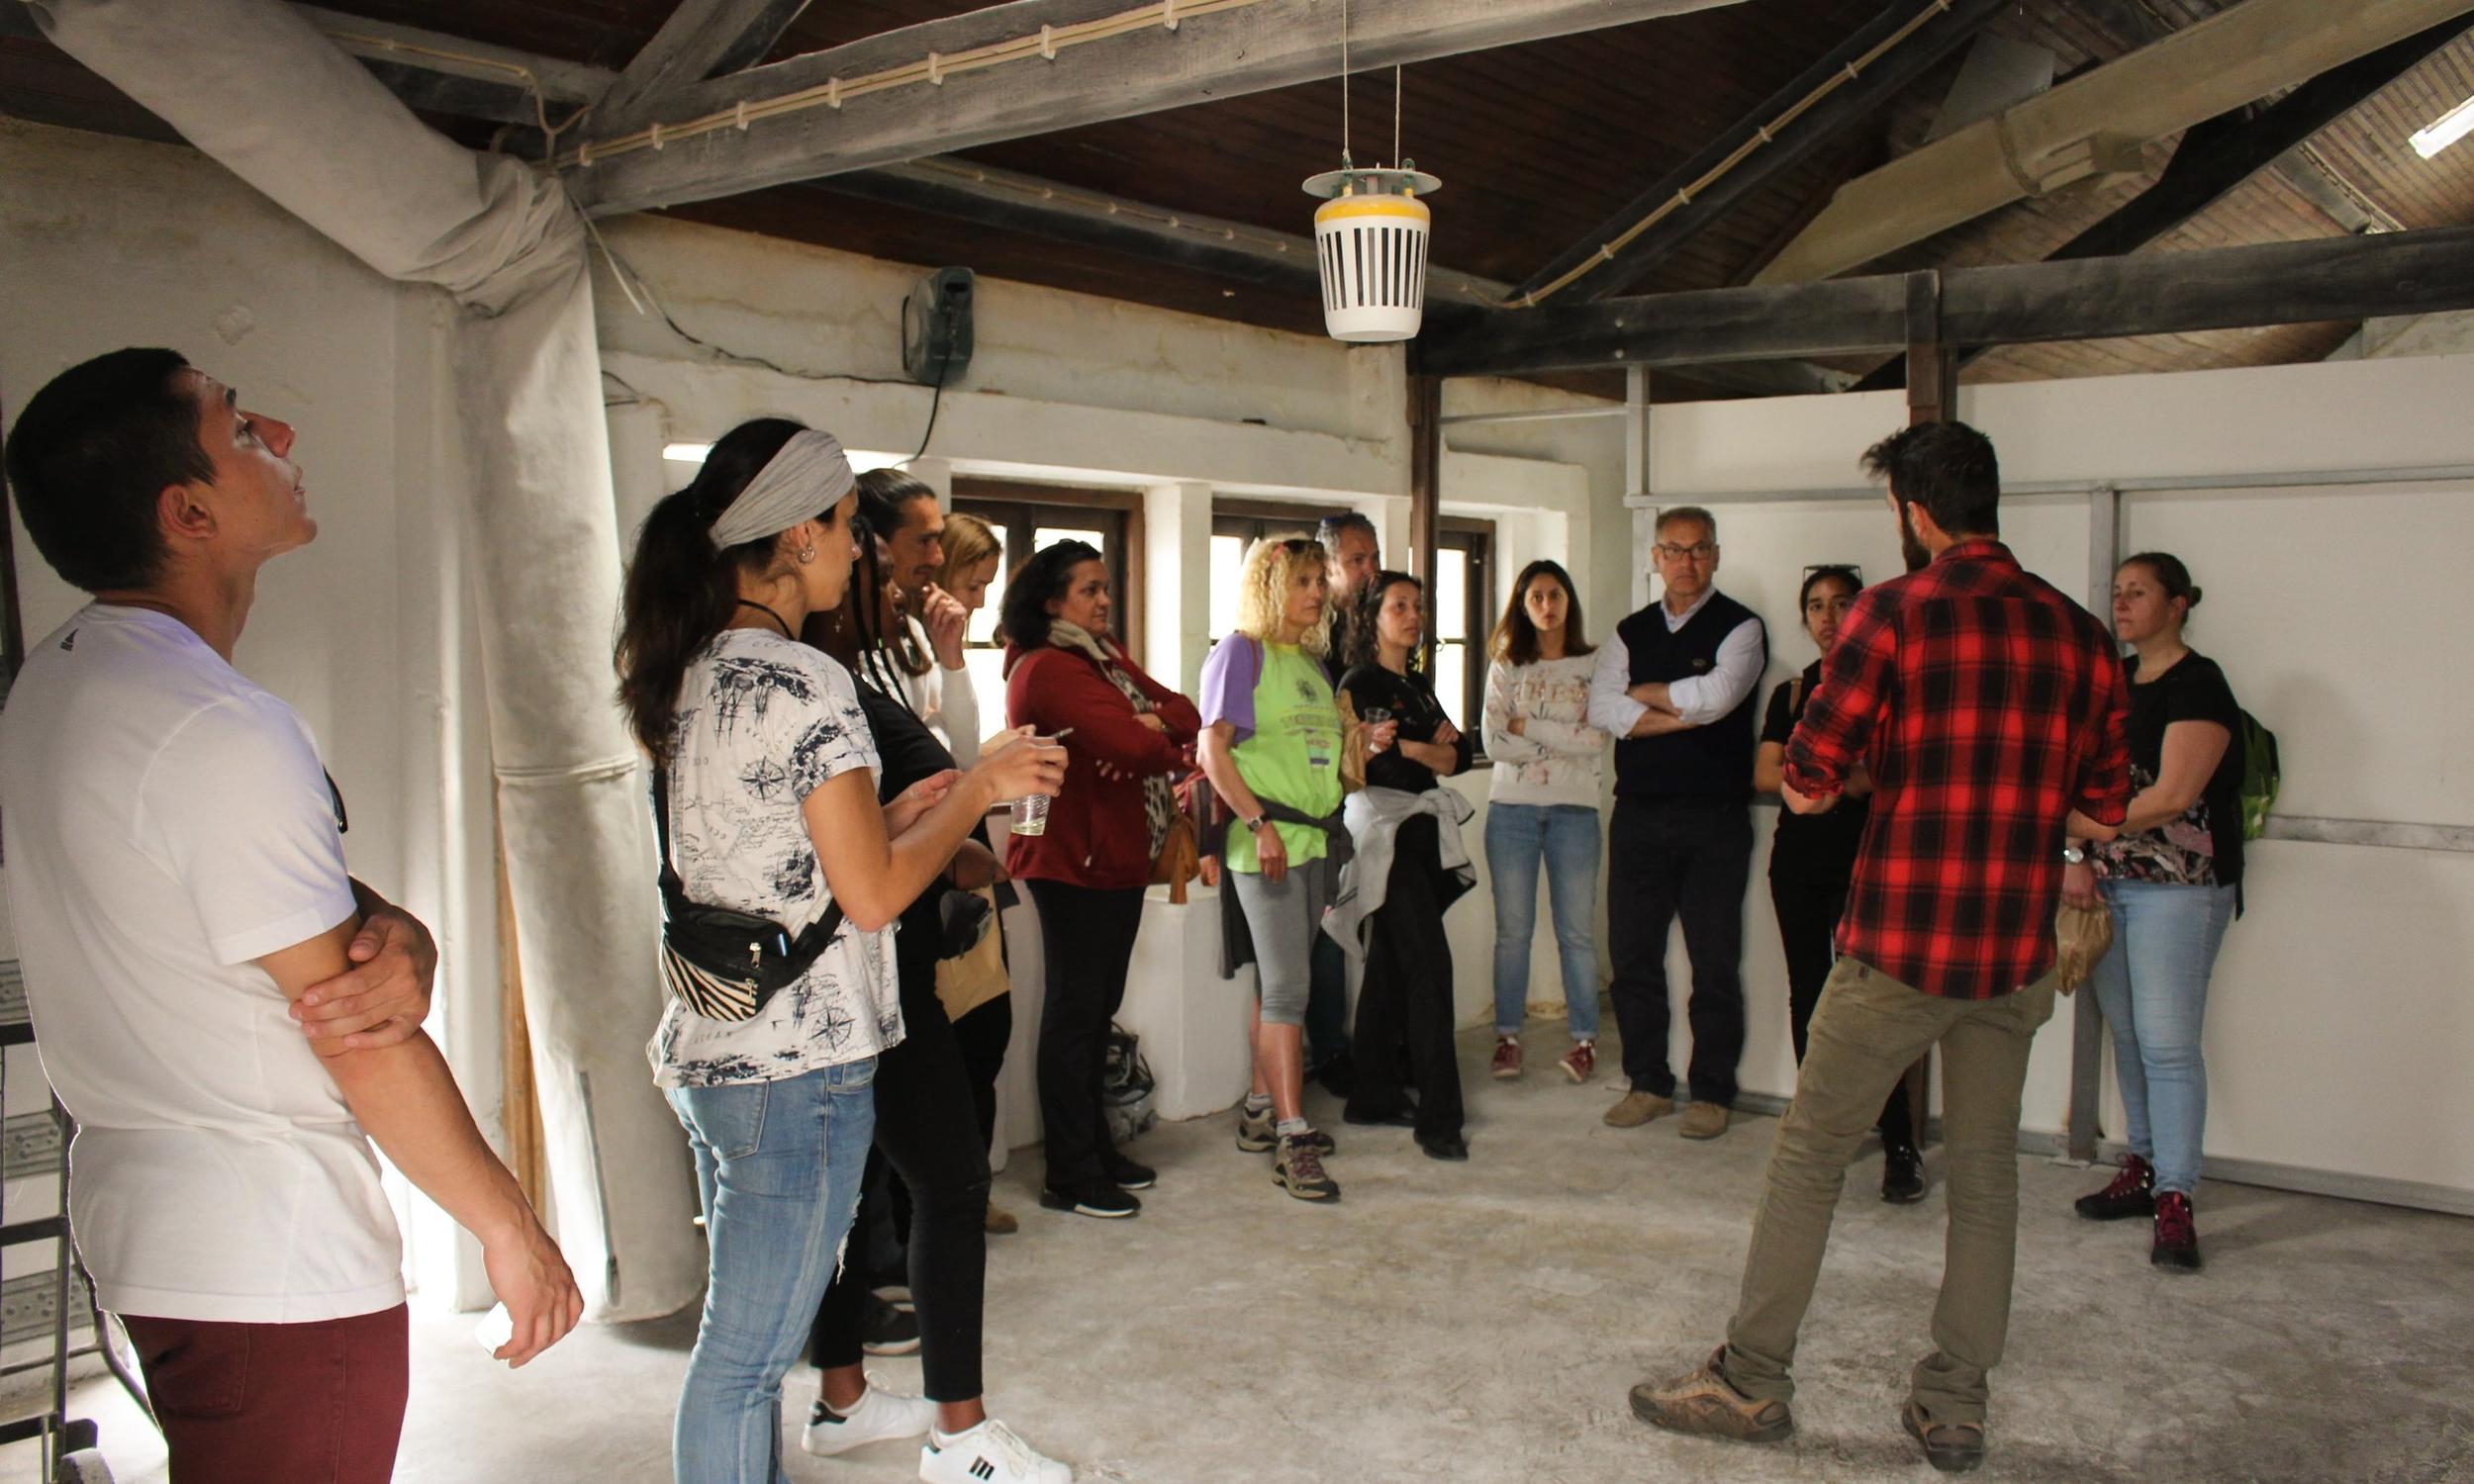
1292	754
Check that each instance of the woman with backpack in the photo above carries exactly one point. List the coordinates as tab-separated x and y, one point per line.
1127	738
766	782
2172	877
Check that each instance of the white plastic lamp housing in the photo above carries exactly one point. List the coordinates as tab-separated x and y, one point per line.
1369	240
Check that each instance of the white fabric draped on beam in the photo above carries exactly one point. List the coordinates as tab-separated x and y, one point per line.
251	84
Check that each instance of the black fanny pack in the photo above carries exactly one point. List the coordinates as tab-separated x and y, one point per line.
725	965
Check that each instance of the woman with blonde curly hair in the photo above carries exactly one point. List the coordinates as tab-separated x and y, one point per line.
1270	745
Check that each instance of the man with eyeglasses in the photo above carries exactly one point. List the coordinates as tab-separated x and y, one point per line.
1675	686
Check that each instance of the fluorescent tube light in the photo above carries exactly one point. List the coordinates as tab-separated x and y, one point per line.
2444	131
686	453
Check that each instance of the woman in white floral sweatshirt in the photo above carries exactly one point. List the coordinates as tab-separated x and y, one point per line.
1549	765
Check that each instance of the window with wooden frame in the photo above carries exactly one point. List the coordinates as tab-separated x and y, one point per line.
1460	603
1027	517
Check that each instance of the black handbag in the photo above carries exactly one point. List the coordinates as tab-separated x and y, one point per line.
725	965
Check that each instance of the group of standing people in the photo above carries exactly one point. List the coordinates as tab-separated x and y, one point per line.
790	658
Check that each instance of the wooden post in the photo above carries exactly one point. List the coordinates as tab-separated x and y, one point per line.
1425	414
1932	364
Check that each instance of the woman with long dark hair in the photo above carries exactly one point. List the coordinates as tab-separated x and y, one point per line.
1812	864
1066	673
1408	866
765	767
926	1129
2172	875
1542	808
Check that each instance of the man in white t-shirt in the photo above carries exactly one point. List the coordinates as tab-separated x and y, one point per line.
176	873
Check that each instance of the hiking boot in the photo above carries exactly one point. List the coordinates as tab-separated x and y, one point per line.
1580	1063
1704	1120
1256	1131
1638	1108
1298	1170
1902	1175
1704	1403
2132	1194
2177	1236
1951	1447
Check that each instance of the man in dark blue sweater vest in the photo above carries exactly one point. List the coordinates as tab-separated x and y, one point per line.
1675	686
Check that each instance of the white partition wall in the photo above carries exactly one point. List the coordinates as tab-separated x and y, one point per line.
2339	1019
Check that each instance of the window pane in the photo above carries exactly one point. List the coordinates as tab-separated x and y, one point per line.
1228	556
985	666
983	629
1451	595
1452	680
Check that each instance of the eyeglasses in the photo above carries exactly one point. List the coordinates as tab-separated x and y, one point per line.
1847	569
1700	551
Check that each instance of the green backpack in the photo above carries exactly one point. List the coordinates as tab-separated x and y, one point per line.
2260	777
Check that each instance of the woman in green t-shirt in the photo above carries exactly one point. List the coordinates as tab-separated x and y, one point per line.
1271	737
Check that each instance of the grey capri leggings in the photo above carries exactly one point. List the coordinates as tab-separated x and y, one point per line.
1284	917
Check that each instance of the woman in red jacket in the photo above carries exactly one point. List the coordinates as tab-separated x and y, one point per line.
1131	737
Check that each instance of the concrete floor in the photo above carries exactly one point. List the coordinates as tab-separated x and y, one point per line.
1481	1322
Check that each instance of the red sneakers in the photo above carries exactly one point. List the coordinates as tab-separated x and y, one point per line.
1506	1061
2177	1235
1581	1062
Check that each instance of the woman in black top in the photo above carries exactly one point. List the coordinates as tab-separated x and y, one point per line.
1404	1017
2172	875
1812	860
926	1129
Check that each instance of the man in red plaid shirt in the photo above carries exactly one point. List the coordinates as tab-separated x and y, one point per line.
1987	707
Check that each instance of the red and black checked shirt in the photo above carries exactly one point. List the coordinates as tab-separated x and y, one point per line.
1987	707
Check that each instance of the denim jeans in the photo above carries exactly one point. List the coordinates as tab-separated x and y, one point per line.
1566	838
2153	989
777	1167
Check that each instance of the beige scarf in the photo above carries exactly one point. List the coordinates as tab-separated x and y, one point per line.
1158	797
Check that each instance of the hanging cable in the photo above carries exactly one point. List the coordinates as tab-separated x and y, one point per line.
1343	82
1395	116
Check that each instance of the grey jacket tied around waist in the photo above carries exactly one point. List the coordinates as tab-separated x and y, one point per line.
1374	817
1236	938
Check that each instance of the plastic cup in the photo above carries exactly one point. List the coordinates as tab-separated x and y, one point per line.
1030	814
495	1328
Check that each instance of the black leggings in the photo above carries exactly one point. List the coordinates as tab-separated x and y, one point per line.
928	1129
1808	926
1086	940
985	1031
1404	1007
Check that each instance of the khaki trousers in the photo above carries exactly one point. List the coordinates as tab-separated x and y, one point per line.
1867	1031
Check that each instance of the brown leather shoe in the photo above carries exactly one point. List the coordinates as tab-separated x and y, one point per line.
1638	1108
1704	1121
1702	1402
1951	1447
1001	1221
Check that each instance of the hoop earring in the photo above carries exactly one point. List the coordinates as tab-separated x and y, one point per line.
807	554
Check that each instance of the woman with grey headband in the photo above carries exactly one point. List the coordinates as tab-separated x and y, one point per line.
767	775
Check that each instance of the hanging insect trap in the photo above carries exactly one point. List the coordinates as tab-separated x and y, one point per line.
1370	239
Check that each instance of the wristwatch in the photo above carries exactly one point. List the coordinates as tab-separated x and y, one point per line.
1254	825
2071	854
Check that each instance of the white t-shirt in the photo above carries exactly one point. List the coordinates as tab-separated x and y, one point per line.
763	722
941	699
167	822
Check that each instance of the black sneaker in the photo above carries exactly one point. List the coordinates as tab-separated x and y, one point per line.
887	1331
1128	1174
2177	1235
1902	1175
2132	1194
1098	1198
1447	1147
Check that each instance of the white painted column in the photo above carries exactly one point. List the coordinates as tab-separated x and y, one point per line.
1177	586
938	474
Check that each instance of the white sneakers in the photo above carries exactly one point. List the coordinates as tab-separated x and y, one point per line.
988	1454
880	1415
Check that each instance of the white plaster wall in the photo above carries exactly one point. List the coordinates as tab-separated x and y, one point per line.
110	243
2340	1018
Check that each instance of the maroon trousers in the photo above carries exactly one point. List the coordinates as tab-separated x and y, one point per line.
308	1403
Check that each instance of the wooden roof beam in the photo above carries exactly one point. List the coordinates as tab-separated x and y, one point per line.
1768	146
1215	49
2095	123
701	39
2086	299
